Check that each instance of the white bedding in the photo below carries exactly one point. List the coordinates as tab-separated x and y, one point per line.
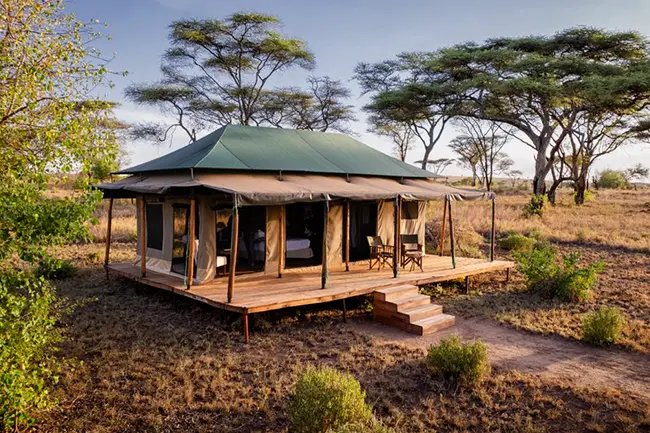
297	244
297	248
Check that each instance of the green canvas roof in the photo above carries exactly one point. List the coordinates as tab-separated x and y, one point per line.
252	148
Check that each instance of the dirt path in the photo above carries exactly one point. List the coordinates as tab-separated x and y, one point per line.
550	357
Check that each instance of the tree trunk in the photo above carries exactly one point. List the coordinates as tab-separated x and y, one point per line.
580	186
552	191
542	167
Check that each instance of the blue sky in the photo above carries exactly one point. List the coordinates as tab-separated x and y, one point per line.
342	33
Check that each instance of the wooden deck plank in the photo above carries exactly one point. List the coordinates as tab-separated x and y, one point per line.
260	292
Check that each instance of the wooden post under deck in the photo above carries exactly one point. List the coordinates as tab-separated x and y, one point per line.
234	245
283	239
190	245
442	229
108	234
451	237
347	235
324	270
396	230
143	238
493	231
245	317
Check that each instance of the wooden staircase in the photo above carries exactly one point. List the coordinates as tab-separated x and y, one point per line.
405	308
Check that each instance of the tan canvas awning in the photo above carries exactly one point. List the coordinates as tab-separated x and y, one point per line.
269	189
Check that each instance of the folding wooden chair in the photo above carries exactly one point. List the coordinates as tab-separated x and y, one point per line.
411	251
380	254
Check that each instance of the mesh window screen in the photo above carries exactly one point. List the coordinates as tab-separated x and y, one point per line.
409	210
154	215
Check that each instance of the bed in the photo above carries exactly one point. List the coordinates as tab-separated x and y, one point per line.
296	248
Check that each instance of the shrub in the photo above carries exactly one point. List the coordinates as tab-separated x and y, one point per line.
465	363
516	242
373	427
28	338
536	206
567	282
611	179
55	269
326	399
589	196
602	326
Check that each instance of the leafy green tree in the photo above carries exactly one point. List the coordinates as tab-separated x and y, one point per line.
50	126
218	72
541	85
404	91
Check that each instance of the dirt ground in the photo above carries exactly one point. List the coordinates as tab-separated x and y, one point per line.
545	356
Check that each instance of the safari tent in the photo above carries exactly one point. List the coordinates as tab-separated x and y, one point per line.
251	201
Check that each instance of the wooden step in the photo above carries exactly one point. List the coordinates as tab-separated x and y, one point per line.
390	293
414	314
432	324
408	302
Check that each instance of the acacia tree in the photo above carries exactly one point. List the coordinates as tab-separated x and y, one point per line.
436	166
536	83
469	154
403	91
400	134
319	108
219	71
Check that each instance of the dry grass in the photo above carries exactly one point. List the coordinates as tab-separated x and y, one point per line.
152	362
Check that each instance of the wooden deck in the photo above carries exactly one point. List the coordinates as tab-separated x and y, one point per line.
256	292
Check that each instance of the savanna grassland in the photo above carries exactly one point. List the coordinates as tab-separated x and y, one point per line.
147	361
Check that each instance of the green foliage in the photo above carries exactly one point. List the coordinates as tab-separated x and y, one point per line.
602	326
49	123
588	196
52	268
536	206
565	281
29	312
516	242
373	427
611	179
466	363
326	399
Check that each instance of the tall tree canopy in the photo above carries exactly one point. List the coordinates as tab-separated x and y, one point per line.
406	91
220	71
49	123
541	85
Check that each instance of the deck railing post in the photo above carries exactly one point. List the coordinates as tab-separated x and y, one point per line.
451	237
324	270
143	238
347	235
442	229
190	245
234	245
109	221
396	230
493	230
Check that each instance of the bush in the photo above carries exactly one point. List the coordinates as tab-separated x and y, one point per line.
602	326
611	179
452	359
28	338
55	269
516	242
567	282
326	399
536	206
374	427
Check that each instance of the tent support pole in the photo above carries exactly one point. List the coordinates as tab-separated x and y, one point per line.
442	229
493	230
190	245
108	235
245	318
396	230
345	312
143	238
451	237
347	236
283	239
234	245
324	270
